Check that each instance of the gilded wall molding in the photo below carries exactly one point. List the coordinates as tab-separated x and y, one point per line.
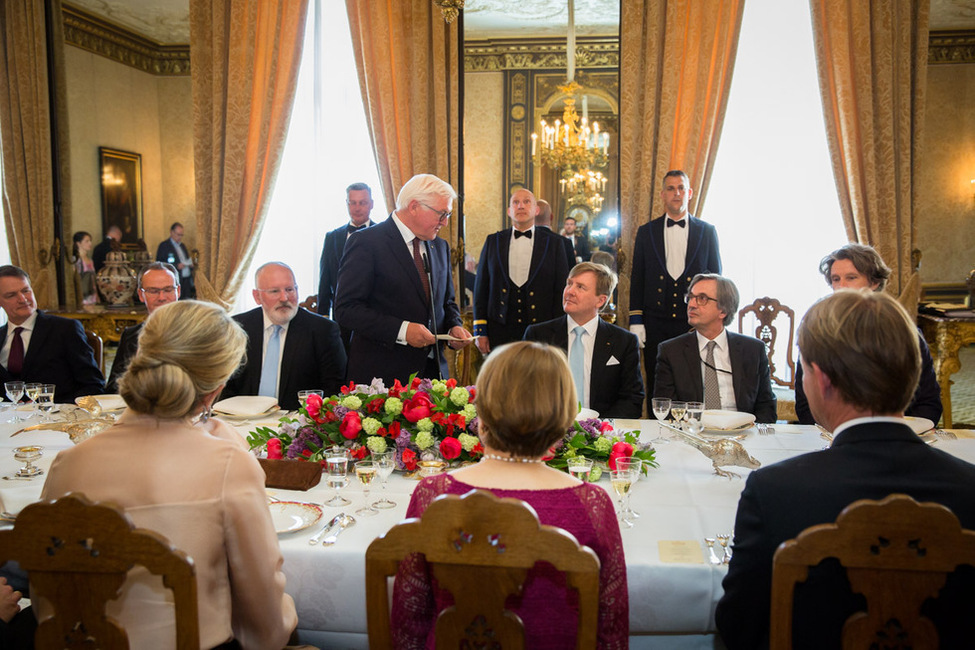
954	46
494	55
106	39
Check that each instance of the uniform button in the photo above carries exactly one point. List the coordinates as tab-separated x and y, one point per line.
504	291
533	306
534	320
661	277
531	293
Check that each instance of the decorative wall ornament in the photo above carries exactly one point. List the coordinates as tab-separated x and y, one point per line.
955	46
494	55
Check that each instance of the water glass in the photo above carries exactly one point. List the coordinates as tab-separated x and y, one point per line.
15	391
337	463
366	471
580	467
45	398
695	410
385	463
661	408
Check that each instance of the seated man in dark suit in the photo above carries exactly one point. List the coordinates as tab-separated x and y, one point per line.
289	348
38	347
858	385
710	364
608	361
158	286
856	266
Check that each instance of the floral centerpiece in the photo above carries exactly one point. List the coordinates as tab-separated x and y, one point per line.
601	441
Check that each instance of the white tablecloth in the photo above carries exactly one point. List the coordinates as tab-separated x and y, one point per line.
671	605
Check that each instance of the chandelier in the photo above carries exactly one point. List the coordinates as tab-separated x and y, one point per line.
585	188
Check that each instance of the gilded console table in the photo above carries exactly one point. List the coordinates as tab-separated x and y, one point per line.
106	323
945	336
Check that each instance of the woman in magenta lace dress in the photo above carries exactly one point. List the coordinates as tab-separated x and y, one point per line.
526	401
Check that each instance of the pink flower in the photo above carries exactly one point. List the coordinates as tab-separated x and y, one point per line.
620	450
417	408
351	425
313	404
450	448
274	449
606	426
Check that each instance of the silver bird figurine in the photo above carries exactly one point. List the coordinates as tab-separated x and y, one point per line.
77	429
723	453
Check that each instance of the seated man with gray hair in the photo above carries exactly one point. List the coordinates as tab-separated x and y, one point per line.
710	364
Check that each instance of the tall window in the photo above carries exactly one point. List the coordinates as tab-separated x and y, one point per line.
327	149
772	194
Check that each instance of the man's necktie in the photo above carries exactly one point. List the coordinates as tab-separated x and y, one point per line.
419	267
15	362
680	224
712	396
577	362
269	372
526	233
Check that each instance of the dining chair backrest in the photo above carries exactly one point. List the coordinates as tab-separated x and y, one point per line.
95	342
77	554
479	548
897	553
310	303
767	312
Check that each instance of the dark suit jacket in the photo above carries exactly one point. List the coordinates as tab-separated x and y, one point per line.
926	402
313	357
866	461
128	344
165	251
546	281
59	354
679	373
328	266
616	390
580	247
100	253
653	293
379	288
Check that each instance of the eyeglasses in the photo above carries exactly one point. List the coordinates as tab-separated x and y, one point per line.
700	299
274	294
443	214
153	291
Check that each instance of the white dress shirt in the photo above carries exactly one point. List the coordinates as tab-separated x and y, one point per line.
588	345
28	326
520	257
675	247
722	361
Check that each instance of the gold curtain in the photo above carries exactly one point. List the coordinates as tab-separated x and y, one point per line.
676	60
245	66
872	60
25	129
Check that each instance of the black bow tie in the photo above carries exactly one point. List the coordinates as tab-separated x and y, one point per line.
671	222
351	229
527	233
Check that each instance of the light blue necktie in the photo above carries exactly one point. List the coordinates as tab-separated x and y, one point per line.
269	373
577	362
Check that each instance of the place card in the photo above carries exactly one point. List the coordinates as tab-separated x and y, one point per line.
681	551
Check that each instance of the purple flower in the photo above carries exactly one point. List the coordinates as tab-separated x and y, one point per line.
425	385
299	445
340	411
474	426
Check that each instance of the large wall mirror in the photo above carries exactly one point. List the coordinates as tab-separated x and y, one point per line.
515	69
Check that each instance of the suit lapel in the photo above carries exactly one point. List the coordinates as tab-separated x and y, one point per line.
601	352
737	371
694	233
657	242
504	246
38	339
539	249
692	357
399	251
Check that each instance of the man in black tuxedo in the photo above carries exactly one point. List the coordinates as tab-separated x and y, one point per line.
359	204
858	384
288	348
38	347
712	365
607	357
857	266
520	277
395	290
158	286
544	220
104	247
173	251
665	258
578	241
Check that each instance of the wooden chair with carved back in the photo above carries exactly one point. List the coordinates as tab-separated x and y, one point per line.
480	548
77	554
766	311
897	553
310	303
98	348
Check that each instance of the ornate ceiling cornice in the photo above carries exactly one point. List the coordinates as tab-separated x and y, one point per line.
93	34
954	46
540	53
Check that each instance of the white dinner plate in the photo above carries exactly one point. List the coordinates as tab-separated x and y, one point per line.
290	516
109	403
251	416
747	422
919	425
586	414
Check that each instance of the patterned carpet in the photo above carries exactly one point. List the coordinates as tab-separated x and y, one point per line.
963	390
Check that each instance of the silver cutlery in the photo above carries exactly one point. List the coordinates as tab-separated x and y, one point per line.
325	529
765	429
945	435
723	540
347	521
715	560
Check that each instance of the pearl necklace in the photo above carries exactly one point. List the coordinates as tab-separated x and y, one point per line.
513	459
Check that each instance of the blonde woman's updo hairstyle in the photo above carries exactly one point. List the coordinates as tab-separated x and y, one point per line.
187	349
526	399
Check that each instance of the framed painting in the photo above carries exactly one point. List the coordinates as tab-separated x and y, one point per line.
121	178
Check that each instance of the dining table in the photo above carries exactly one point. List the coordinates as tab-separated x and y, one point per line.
673	584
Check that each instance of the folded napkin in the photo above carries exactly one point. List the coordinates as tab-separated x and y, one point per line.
108	402
726	420
244	405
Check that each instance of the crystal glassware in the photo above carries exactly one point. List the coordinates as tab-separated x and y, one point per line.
15	391
32	389
45	398
633	466
303	395
661	408
677	411
28	455
621	480
580	467
385	464
366	471
337	464
695	410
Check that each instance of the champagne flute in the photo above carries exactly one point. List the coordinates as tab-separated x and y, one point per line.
677	411
366	471
633	466
580	467
385	463
337	463
303	395
621	480
15	391
661	408
695	411
32	390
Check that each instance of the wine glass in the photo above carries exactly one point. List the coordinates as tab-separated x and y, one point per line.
385	463
15	391
580	467
32	390
661	407
28	455
694	412
622	479
633	466
366	471
303	395
677	411
337	463
45	398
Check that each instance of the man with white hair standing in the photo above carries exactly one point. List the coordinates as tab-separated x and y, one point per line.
395	291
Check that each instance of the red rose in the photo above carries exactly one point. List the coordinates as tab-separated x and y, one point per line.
451	383
376	405
450	448
619	450
351	425
359	452
394	429
417	408
409	459
313	405
274	449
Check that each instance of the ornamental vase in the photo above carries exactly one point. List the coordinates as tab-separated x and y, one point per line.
116	280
